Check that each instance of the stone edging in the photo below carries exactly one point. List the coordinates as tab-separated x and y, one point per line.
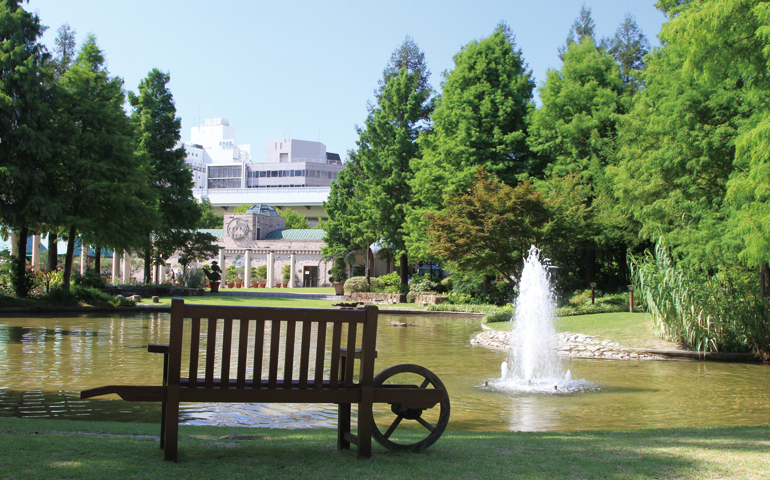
569	345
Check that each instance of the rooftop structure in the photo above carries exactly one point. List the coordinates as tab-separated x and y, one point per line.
294	174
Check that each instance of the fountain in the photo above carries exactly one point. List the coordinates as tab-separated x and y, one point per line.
533	364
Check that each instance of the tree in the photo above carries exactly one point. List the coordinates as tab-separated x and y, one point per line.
575	132
102	179
293	219
582	28
480	120
158	130
209	219
345	217
26	184
65	49
489	229
628	47
196	246
375	205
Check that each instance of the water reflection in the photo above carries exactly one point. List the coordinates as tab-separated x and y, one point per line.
46	360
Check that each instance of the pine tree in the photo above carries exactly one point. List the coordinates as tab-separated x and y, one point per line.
26	198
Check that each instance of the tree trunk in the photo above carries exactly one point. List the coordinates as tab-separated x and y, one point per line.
68	259
764	275
589	257
485	287
53	252
20	263
404	273
368	274
98	259
147	265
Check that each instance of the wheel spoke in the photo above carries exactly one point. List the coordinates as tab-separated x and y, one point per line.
425	424
425	383
393	426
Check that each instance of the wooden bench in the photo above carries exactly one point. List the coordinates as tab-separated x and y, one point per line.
247	354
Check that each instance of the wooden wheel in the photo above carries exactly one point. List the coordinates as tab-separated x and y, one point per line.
418	428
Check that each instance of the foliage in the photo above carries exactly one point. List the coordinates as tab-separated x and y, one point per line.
208	218
192	245
293	219
23	286
91	279
233	274
193	278
262	272
479	121
286	273
242	208
488	229
426	283
391	281
628	46
359	284
214	272
28	183
503	315
582	28
339	272
158	130
97	298
710	313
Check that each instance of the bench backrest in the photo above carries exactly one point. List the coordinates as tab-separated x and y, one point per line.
235	346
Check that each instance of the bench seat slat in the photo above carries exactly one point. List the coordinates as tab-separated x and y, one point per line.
259	348
227	350
304	355
335	365
211	349
275	342
320	355
288	364
195	340
243	350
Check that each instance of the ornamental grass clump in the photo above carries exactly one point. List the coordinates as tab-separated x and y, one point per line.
724	312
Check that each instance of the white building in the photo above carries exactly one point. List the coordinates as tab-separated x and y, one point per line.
294	174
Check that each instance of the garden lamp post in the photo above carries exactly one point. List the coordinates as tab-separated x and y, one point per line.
375	248
593	286
631	298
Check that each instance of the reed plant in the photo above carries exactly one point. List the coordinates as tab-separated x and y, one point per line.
720	312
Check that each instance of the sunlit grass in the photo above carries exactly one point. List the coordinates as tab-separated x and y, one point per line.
68	449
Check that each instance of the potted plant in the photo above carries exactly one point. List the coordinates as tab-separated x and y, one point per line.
254	278
238	280
286	272
339	273
231	274
261	274
214	274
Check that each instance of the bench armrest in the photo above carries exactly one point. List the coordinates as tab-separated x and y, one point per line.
157	348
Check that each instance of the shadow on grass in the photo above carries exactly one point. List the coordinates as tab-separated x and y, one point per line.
54	449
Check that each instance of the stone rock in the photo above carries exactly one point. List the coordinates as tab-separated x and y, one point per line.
120	297
136	298
155	299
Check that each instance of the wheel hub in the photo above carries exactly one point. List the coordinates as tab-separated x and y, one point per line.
408	413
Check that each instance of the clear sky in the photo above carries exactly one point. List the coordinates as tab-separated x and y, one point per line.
305	69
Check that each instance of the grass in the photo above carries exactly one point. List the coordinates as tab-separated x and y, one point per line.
71	449
628	329
248	302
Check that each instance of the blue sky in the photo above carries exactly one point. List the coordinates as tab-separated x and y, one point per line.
302	69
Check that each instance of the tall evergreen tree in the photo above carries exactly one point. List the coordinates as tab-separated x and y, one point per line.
158	130
582	28
105	186
26	199
628	46
479	120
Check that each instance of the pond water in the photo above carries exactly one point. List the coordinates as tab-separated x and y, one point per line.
45	360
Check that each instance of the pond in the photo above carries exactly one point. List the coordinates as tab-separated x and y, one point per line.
45	360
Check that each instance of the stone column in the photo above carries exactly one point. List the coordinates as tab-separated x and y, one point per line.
247	269
222	281
36	251
293	270
83	258
14	243
115	266
161	273
126	267
270	270
155	273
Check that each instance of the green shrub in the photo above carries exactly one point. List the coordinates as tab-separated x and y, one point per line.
97	298
392	281
359	284
90	279
286	272
503	315
426	283
262	272
60	296
214	272
193	278
339	271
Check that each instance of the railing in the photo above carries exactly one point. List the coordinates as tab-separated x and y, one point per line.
198	192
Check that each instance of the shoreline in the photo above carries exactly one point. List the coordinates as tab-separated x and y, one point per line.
578	345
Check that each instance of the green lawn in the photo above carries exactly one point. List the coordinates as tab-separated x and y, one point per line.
326	290
631	330
248	302
85	450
